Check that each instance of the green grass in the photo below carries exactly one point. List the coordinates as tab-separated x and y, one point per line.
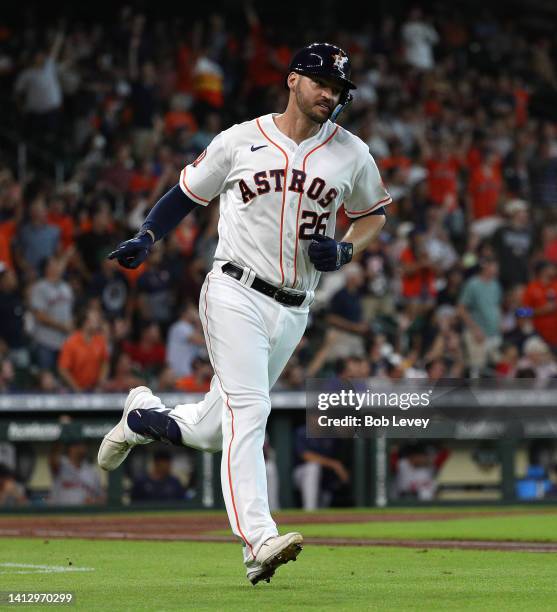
198	576
542	528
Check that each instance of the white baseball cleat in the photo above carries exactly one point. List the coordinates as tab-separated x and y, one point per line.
116	446
275	552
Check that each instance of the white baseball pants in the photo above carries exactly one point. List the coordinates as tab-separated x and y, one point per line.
250	338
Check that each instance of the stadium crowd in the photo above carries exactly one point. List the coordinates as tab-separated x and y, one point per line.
457	109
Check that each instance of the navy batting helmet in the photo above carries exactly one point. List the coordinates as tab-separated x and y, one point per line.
324	60
327	61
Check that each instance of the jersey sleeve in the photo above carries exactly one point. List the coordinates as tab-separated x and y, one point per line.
204	179
368	192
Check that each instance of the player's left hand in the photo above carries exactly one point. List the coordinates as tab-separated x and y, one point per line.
326	254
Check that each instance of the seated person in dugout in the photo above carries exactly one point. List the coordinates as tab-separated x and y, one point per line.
75	481
159	484
319	474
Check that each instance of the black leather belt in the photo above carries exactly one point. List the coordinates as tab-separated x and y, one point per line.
282	296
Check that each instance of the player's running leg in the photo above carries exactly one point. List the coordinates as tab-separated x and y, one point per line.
146	419
278	551
119	441
238	345
201	423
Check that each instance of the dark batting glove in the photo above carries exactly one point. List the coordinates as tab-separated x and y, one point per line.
327	255
132	253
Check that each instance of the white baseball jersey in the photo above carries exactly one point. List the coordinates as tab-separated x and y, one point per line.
275	193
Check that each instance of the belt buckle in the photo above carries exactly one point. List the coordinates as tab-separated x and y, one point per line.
277	295
286	296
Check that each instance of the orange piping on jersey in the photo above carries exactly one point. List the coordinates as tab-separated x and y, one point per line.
363	212
300	200
232	422
189	190
283	194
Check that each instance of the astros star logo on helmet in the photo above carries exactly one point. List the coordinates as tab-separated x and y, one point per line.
340	60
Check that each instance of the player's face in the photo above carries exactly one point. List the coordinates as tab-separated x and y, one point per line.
317	97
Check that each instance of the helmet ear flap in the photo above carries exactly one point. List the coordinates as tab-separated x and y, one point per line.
345	98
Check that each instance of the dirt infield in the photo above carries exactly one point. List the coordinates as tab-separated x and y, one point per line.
197	527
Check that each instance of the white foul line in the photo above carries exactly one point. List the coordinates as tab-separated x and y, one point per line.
30	568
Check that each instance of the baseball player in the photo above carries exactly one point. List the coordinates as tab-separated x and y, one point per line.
281	179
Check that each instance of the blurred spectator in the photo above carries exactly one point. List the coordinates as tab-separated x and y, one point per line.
7	376
48	383
83	360
543	170
443	167
513	244
346	328
394	367
353	367
178	117
539	359
143	92
159	484
480	309
143	180
11	492
418	275
446	345
540	300
441	252
185	341
149	352
155	287
37	240
208	81
449	295
318	473
508	363
419	37
51	300
41	93
123	377
199	381
166	380
12	311
522	330
416	468
58	216
485	186
8	455
75	481
267	62
436	369
293	378
95	243
11	212
549	240
117	174
377	298
111	287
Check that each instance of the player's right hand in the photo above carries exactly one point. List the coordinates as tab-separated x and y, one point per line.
132	253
